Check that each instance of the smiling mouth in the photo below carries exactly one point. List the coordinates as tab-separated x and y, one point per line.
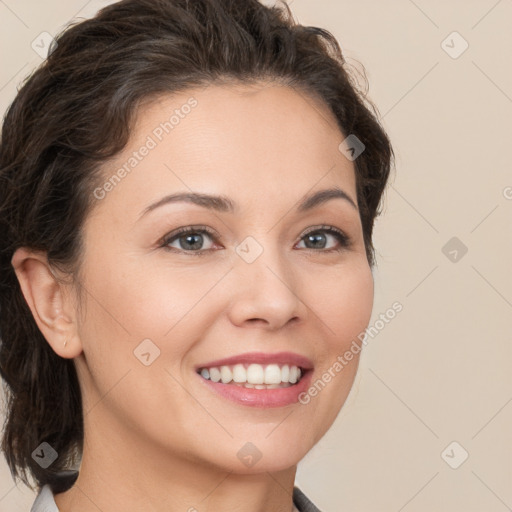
254	376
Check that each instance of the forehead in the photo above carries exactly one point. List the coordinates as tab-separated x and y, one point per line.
250	142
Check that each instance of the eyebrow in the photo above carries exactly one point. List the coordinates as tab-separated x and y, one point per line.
224	204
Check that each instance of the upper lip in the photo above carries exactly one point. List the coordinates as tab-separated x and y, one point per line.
262	358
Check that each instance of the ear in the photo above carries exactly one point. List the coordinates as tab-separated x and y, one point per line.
49	300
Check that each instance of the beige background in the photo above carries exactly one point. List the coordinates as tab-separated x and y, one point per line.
440	370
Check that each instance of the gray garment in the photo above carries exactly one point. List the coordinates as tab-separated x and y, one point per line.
45	503
302	502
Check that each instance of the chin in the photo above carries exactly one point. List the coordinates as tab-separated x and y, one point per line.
267	454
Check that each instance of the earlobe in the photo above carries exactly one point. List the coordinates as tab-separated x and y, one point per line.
48	301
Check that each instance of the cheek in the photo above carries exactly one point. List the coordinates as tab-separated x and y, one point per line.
344	304
344	308
130	303
130	322
146	298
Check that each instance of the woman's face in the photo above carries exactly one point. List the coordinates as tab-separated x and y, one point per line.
158	310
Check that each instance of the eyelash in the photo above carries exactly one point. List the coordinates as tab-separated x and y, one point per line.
344	240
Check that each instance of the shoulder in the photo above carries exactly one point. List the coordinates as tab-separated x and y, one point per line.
302	502
44	501
57	482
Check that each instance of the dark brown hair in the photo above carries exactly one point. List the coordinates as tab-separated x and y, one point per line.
78	109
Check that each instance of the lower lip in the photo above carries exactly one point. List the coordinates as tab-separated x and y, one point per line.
263	398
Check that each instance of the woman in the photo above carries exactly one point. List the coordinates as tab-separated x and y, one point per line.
188	191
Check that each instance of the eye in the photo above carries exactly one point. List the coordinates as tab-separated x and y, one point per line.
317	237
191	239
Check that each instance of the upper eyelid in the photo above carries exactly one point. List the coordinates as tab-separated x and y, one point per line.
211	231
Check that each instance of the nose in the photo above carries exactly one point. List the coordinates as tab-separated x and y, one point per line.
265	292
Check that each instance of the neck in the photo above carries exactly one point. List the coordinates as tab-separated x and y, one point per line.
118	479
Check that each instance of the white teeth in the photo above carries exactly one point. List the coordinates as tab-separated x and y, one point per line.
272	374
239	373
226	376
254	375
214	374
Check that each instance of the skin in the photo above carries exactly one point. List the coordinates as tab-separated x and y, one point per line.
156	438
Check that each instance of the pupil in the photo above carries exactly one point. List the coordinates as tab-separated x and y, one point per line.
317	236
191	237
